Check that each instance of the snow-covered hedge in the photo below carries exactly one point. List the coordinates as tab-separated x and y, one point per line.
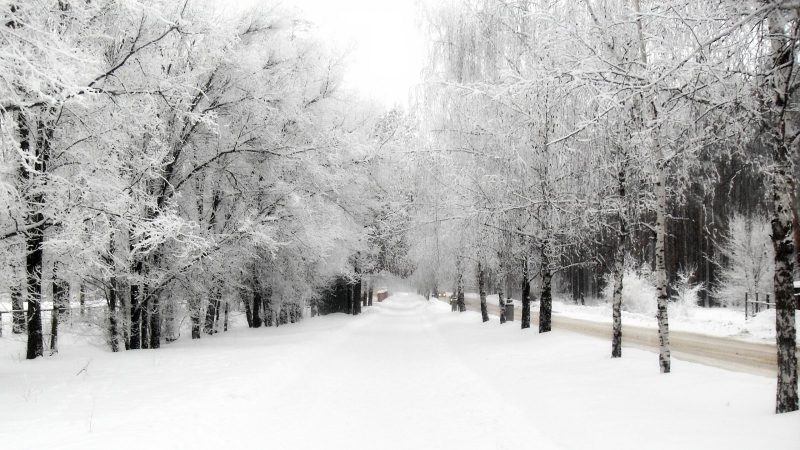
638	292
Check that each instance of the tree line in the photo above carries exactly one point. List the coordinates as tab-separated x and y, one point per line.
177	160
577	141
172	160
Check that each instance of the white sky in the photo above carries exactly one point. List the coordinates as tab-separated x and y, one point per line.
386	46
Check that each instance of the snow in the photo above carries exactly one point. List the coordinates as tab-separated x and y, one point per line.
723	322
405	374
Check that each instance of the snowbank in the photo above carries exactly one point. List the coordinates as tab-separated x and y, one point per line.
724	322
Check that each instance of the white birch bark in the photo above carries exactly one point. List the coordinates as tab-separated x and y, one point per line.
661	269
619	266
783	184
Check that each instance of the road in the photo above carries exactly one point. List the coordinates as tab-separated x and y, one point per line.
726	353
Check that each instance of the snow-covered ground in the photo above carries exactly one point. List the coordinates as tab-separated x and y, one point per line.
405	374
712	321
723	322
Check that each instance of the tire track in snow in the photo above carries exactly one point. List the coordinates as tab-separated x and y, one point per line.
389	379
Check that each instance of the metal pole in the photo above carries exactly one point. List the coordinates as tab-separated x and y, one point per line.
745	306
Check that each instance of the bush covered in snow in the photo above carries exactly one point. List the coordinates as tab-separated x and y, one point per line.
687	295
745	260
638	292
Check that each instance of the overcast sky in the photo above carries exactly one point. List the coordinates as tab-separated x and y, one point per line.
386	45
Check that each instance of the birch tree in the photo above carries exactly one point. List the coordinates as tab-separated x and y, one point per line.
780	135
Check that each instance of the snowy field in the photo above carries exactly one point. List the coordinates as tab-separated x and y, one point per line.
405	374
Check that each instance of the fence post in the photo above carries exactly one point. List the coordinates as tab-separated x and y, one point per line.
767	301
745	306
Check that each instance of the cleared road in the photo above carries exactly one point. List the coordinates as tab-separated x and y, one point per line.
727	353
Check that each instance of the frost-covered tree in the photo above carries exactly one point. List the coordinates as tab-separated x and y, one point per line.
781	36
177	160
746	259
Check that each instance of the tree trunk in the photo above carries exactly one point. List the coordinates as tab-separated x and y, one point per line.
34	238
109	260
270	316
225	322
283	314
82	299
546	299
248	311
369	295
619	267
525	320
661	270
350	299
501	302
783	185
112	315
460	293
136	317
59	297
34	312
17	304
145	317
194	315
786	398
212	311
257	321
211	314
171	325
616	303
53	330
357	296
502	279
661	214
155	322
482	293
123	293
136	296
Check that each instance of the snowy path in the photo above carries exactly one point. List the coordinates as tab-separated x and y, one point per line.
405	374
396	383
